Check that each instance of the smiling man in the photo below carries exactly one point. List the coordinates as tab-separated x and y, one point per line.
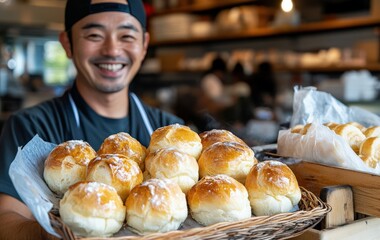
107	41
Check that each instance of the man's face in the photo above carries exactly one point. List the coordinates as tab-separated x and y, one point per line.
107	50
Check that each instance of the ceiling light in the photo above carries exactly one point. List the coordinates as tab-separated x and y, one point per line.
287	5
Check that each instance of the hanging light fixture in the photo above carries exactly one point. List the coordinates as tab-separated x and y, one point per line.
287	5
287	15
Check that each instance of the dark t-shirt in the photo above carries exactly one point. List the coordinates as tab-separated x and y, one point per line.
67	118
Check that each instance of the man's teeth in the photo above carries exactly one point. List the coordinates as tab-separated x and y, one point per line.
111	67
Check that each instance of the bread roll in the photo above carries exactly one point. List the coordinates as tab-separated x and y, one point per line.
116	170
176	136
372	132
66	164
369	160
123	143
272	188
358	125
230	158
218	198
156	205
305	128
297	129
169	163
370	151
331	125
92	209
351	134
218	135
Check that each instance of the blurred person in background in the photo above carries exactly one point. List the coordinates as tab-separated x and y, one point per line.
240	91
187	106
263	90
107	41
213	97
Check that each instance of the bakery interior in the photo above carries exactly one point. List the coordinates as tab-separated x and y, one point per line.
266	50
332	45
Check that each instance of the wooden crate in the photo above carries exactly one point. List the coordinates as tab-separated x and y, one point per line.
365	186
366	200
364	229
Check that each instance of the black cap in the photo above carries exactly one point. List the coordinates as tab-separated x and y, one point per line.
78	9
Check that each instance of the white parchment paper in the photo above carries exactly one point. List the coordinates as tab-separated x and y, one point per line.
26	173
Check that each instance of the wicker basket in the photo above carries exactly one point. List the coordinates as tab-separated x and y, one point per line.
279	226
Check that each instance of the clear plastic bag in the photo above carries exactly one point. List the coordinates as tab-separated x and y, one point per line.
320	144
312	106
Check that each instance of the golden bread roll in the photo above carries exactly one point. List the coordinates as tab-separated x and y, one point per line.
123	143
92	209
370	161
331	125
169	163
176	136
358	125
218	198
372	132
305	128
297	128
370	151
218	135
116	170
230	158
351	134
272	188
156	205
66	164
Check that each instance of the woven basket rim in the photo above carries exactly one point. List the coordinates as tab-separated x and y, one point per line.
263	225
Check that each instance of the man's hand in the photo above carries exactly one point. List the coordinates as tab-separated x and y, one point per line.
17	221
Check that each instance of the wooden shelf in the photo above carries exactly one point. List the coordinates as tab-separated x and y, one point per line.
375	67
205	6
306	28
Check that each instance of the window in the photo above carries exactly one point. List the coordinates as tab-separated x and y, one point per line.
58	69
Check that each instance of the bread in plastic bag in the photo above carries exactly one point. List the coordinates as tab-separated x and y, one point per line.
320	144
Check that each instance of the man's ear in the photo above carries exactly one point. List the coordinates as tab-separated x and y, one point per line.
146	42
65	42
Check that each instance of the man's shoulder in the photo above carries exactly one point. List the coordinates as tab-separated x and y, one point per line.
44	109
161	117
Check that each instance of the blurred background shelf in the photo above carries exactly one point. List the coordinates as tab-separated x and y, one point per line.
306	28
201	6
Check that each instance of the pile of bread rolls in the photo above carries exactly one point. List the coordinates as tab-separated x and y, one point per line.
365	142
212	177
